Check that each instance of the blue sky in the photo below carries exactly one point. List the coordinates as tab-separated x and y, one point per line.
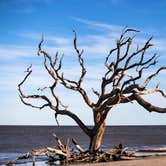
98	25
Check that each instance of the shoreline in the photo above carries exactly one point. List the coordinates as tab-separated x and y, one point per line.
148	161
142	161
147	157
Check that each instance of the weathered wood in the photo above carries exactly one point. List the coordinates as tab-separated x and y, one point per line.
115	154
39	152
98	131
78	147
60	145
56	151
127	158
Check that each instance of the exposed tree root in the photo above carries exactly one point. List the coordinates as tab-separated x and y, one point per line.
58	155
64	155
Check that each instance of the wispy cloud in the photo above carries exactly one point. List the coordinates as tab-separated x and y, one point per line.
95	46
59	40
10	52
99	26
160	44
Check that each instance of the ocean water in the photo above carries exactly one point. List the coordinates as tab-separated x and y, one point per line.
16	140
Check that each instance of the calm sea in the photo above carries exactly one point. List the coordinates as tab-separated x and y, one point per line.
15	140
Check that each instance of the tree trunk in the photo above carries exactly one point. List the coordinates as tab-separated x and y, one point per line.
96	139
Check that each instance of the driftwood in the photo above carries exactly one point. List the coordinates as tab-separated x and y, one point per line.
78	147
64	155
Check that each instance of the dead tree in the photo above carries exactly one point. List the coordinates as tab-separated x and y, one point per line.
120	83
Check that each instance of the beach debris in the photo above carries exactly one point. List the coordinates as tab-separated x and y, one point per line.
63	154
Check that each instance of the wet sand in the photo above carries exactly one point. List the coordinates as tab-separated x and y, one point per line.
151	161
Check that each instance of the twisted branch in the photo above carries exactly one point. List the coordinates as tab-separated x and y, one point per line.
123	84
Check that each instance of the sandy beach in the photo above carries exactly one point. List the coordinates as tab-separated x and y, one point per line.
150	161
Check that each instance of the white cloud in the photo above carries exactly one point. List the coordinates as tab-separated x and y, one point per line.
10	52
159	44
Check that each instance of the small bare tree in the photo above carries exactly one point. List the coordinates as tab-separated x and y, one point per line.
119	78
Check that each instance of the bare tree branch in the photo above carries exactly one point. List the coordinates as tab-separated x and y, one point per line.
95	92
76	119
69	84
148	106
23	96
153	75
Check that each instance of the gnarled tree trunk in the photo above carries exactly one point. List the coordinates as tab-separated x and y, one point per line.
96	139
97	136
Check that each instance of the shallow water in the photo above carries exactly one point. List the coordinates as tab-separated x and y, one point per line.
16	140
